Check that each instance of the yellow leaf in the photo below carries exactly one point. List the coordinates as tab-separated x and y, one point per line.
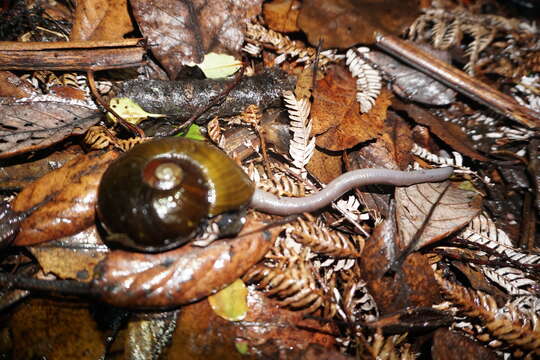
219	65
231	302
129	111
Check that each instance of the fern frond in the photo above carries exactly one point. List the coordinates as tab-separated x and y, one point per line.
368	80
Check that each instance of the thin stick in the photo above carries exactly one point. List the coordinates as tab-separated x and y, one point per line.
69	287
458	80
135	130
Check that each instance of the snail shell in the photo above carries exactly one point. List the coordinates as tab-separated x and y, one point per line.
158	195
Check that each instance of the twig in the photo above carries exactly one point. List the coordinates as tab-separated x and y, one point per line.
458	80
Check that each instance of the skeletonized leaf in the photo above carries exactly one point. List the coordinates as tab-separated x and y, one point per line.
182	31
451	212
35	123
66	199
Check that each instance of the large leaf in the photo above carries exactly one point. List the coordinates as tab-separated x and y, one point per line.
35	123
431	211
183	31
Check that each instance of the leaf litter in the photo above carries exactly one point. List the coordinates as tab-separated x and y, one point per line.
392	260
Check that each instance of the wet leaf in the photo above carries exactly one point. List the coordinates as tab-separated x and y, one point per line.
72	257
182	31
450	345
101	20
66	199
12	86
34	123
344	23
183	275
336	113
231	302
414	203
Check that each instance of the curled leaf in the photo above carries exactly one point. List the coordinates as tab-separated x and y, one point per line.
231	302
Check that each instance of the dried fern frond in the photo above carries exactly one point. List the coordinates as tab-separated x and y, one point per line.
323	240
514	281
390	347
99	137
506	324
302	145
368	80
293	285
215	133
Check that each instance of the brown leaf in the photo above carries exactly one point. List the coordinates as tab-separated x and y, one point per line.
450	345
267	329
72	257
324	166
451	212
101	20
183	275
336	113
67	199
34	123
281	15
183	31
344	23
450	133
12	86
22	174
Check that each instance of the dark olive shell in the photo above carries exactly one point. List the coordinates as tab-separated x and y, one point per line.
159	194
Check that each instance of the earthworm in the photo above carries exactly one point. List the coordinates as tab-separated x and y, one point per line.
272	204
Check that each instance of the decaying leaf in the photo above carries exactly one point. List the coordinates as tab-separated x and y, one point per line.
281	15
12	85
182	275
34	123
66	199
336	113
72	257
450	345
450	213
344	23
182	31
101	20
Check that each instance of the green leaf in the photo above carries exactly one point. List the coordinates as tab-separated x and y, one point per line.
231	302
194	133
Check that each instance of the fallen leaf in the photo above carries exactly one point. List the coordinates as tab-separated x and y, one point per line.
336	114
344	23
281	15
183	31
449	213
66	199
14	177
72	257
101	20
450	345
180	276
34	123
12	86
230	303
450	133
215	66
129	110
325	166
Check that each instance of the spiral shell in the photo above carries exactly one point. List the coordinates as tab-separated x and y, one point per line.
159	194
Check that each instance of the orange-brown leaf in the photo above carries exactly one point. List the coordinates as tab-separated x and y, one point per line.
101	20
67	199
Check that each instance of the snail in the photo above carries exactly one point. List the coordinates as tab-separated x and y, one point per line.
160	194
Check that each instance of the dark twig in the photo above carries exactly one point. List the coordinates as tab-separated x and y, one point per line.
219	98
66	287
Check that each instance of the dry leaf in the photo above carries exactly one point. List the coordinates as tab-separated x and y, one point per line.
12	86
281	15
183	31
180	276
72	257
450	345
67	199
344	23
101	20
34	123
452	211
336	113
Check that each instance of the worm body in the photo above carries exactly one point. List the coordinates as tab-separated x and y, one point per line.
272	204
